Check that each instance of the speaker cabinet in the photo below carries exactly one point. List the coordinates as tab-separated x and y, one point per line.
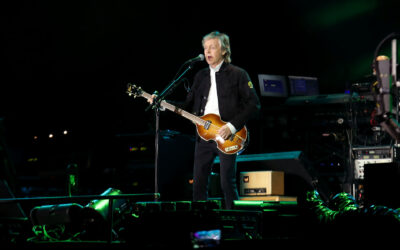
175	166
381	184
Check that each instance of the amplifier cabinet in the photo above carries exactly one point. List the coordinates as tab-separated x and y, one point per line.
256	183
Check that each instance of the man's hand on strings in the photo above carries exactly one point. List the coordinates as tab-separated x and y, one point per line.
224	132
153	96
151	100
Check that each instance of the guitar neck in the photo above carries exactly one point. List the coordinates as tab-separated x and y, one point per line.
177	110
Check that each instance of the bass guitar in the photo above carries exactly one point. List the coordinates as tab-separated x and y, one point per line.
207	126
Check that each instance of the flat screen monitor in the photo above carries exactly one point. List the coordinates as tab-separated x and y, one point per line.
303	85
273	85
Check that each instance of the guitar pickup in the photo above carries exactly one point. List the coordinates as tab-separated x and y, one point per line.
207	125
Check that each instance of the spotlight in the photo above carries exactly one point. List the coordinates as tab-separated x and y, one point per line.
101	206
56	214
96	215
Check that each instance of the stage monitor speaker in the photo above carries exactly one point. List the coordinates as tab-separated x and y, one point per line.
300	175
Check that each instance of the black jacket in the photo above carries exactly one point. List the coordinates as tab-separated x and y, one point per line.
237	98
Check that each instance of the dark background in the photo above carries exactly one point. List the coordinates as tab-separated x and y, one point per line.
66	64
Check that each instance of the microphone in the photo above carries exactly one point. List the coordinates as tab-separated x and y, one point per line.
384	75
198	58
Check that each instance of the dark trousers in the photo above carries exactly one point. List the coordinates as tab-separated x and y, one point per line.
205	154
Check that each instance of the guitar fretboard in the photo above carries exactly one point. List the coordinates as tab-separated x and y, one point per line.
177	110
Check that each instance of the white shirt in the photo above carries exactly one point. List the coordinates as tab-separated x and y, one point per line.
212	100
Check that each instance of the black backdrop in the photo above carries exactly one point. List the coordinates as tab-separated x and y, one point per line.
65	64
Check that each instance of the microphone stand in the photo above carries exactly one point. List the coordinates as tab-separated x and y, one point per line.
156	106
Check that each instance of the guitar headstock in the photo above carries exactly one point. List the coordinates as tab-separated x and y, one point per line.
133	90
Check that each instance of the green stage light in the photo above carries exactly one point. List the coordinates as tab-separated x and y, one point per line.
102	206
99	219
247	203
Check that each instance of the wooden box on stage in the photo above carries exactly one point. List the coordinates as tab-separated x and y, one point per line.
261	183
